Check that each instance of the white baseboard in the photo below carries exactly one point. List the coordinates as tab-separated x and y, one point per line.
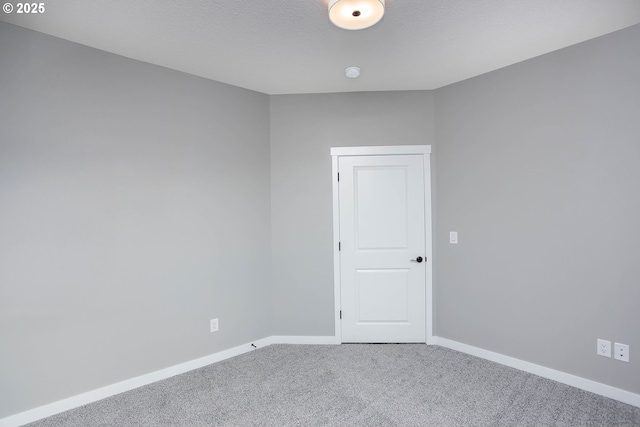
305	340
126	385
142	380
559	376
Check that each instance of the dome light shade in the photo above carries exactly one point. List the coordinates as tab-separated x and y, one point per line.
355	14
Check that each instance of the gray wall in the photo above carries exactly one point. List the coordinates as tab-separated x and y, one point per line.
303	128
134	207
539	172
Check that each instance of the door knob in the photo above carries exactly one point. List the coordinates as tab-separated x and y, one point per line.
418	260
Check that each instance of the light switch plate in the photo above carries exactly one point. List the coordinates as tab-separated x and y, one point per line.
453	237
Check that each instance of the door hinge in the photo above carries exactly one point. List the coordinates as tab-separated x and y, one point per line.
341	314
339	246
338	176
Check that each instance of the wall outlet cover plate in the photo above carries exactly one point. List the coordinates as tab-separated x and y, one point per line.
621	352
603	348
214	325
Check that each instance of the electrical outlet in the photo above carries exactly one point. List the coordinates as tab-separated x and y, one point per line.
604	348
621	352
214	325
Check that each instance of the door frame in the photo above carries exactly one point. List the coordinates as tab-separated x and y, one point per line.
425	151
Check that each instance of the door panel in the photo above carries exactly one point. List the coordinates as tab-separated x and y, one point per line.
382	296
382	228
380	207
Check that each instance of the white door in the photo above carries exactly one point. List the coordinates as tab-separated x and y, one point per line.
382	248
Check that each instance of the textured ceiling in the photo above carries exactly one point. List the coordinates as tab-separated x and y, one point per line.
289	46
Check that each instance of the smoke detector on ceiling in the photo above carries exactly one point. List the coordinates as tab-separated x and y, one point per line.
352	72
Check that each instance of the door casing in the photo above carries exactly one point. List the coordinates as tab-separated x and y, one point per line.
425	151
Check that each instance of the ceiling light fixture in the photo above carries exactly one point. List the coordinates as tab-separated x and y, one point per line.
355	14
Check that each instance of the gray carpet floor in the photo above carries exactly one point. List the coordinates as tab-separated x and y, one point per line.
353	385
